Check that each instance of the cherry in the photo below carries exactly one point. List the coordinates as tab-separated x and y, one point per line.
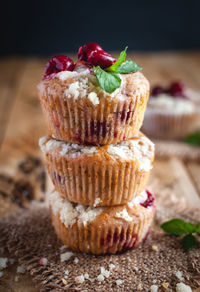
149	201
157	90
100	58
82	52
176	89
57	64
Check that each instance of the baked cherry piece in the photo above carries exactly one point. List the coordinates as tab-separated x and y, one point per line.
177	89
82	52
149	201
100	58
57	64
157	90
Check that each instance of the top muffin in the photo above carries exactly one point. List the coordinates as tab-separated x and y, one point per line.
94	101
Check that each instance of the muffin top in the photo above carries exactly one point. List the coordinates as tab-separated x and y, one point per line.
71	213
95	76
175	99
138	149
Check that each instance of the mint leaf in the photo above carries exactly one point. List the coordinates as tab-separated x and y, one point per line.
119	61
198	228
189	241
193	139
178	227
128	67
108	81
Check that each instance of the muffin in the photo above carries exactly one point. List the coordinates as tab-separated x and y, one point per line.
99	176
102	230
78	110
172	113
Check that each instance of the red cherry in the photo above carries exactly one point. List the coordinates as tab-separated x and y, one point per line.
157	90
149	201
57	64
82	52
100	58
176	89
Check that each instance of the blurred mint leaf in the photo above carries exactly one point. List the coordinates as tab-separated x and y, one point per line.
108	81
198	228
189	241
119	61
178	227
128	67
193	139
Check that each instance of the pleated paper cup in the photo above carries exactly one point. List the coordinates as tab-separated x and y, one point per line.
99	176
94	117
162	125
101	230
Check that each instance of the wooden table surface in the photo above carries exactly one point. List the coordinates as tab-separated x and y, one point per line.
21	125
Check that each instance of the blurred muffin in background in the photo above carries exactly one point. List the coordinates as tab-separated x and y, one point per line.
172	112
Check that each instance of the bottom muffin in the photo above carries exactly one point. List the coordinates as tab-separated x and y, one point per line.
102	230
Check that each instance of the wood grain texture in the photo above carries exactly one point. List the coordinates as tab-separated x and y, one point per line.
21	116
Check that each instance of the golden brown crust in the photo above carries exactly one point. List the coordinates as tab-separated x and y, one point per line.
106	233
80	121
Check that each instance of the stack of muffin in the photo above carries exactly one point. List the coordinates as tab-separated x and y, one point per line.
98	160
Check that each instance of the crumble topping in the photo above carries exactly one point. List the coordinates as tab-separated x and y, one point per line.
139	148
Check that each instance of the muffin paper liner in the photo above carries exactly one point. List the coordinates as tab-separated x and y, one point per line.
96	181
168	126
79	121
106	234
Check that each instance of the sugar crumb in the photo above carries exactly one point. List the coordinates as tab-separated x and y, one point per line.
76	260
80	279
20	270
119	282
181	287
66	256
3	263
154	248
105	272
100	278
154	288
136	269
179	275
111	266
86	276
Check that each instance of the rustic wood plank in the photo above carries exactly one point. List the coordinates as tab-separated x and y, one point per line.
170	181
194	170
9	79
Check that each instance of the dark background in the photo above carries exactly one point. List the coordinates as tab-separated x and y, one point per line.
51	27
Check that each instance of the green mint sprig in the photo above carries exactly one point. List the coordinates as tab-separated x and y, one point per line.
180	227
193	139
108	79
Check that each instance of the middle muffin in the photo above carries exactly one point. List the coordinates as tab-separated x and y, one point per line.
99	176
